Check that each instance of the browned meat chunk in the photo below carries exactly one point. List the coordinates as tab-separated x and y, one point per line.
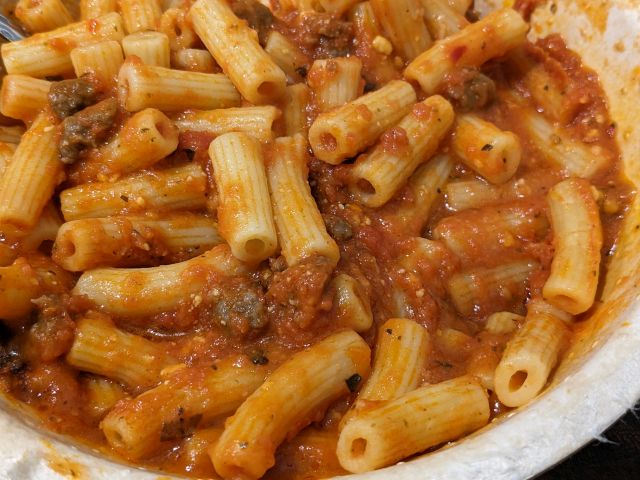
86	129
70	96
295	294
257	16
469	89
327	34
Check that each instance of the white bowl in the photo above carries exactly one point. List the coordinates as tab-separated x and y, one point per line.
596	383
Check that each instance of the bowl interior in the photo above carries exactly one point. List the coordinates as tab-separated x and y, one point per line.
597	380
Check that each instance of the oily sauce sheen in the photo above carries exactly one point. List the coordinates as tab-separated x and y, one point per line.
277	310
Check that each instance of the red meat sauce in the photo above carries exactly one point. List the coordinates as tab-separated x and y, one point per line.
278	310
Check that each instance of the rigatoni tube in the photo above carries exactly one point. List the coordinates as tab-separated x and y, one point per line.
236	49
150	47
531	354
140	15
42	15
149	86
307	382
401	352
145	138
378	175
140	292
403	23
301	230
480	288
351	303
489	151
101	60
491	37
102	348
345	131
244	213
47	54
187	397
335	81
575	157
124	241
420	419
255	121
35	163
23	97
170	189
577	238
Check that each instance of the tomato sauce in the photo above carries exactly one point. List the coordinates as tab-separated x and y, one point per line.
277	310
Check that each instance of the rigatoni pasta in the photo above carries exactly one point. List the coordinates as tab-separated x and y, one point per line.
202	244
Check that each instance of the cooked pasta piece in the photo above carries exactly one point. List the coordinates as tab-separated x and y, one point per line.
244	213
23	97
150	47
491	37
378	175
102	395
236	49
531	354
294	111
337	6
420	419
305	383
45	230
171	189
194	60
475	289
401	352
101	60
96	8
140	15
403	23
351	303
188	397
576	158
301	231
460	6
148	86
287	56
473	233
489	151
175	25
145	138
476	193
6	154
123	241
442	18
40	55
140	292
255	121
500	323
19	285
42	15
10	135
100	347
425	185
345	131
335	81
577	238
35	163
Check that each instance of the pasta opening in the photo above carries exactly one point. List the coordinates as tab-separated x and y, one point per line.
255	246
517	380
358	447
365	187
328	142
268	89
163	127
